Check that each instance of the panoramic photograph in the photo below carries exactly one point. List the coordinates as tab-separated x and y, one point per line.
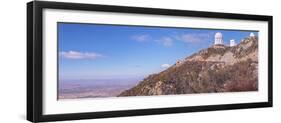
101	60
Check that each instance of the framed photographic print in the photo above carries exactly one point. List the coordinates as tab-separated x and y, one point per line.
89	61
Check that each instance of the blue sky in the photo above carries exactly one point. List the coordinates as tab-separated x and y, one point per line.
91	51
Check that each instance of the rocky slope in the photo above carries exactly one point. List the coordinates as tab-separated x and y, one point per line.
218	68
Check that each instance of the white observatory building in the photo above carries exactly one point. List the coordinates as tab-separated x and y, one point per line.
252	34
232	43
218	38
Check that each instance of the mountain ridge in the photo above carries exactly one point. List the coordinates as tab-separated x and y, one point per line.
218	68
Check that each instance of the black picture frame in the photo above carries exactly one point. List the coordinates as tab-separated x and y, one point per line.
35	69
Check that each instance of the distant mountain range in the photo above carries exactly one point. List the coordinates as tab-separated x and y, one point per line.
218	68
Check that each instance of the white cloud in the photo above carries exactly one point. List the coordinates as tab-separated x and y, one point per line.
79	55
141	38
193	37
165	65
166	41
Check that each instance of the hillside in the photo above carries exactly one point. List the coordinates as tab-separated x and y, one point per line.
218	68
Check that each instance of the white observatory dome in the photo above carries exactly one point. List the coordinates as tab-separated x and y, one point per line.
218	35
218	38
252	34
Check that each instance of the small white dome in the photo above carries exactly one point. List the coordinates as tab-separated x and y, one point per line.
252	34
232	43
